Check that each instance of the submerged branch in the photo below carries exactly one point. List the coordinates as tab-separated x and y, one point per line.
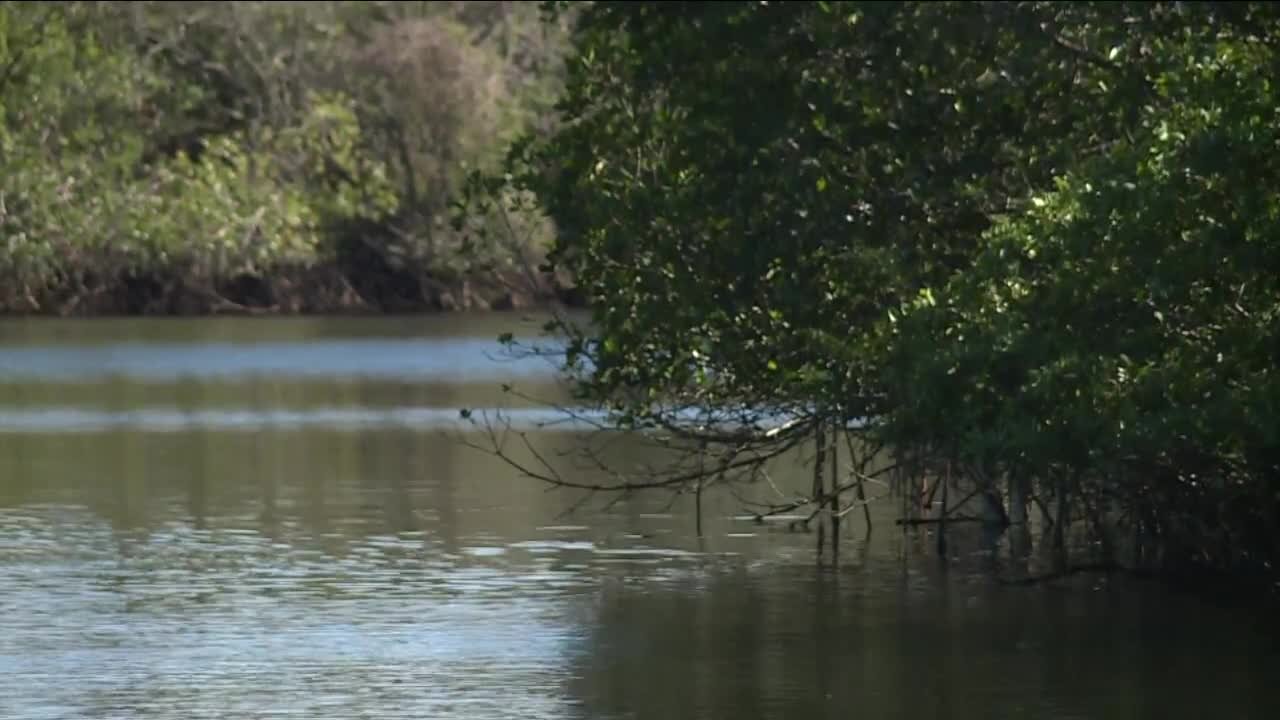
821	498
1104	567
937	520
544	471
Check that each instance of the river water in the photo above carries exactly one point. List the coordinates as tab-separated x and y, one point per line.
268	518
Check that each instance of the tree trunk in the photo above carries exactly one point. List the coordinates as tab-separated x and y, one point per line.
1060	524
1017	498
819	468
834	502
942	514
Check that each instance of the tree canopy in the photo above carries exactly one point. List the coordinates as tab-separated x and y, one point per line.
201	144
1033	239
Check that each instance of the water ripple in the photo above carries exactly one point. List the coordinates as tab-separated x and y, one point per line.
80	420
222	623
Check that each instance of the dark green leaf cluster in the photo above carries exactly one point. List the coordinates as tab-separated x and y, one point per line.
1034	237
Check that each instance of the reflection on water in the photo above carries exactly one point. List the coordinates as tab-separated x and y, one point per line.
300	348
64	420
315	545
457	361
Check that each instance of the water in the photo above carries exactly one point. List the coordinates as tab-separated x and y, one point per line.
274	518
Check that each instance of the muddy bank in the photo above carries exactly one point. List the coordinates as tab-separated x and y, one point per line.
316	289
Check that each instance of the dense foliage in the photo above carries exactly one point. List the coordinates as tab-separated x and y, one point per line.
1033	240
182	156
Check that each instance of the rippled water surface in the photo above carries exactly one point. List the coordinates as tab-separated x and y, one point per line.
275	518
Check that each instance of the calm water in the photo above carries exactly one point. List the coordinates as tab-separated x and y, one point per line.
272	518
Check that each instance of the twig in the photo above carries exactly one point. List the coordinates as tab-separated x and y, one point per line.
936	520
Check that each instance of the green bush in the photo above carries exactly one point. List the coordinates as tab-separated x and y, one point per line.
196	142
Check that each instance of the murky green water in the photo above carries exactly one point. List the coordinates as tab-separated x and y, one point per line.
269	518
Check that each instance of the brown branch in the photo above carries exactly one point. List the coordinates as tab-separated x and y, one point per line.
860	503
820	498
551	476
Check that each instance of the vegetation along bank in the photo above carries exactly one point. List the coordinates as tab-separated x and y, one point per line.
195	157
1027	250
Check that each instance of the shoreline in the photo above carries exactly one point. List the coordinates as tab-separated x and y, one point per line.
322	290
